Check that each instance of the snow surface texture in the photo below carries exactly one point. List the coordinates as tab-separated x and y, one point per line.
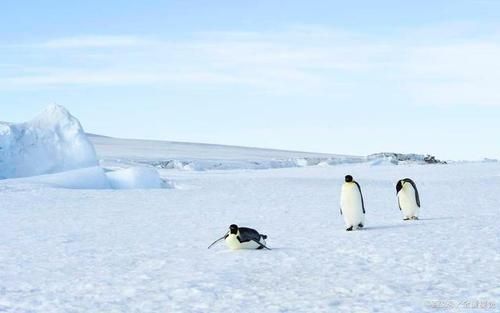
52	142
64	250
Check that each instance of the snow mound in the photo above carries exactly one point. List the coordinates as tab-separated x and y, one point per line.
52	142
84	178
97	178
135	178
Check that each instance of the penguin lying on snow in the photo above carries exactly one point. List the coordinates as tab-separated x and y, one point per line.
352	206
408	199
243	238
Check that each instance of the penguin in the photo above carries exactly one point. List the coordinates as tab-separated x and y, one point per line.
408	199
243	238
352	206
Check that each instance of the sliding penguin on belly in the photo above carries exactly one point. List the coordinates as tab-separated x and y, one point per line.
243	238
352	206
408	199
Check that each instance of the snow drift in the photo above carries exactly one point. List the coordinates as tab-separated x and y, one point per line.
135	178
83	178
96	178
52	142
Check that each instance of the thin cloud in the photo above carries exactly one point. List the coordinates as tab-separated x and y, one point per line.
439	70
95	42
117	77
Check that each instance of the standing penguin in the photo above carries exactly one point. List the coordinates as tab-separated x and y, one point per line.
352	206
408	198
243	238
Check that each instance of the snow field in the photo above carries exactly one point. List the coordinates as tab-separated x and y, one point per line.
72	240
66	250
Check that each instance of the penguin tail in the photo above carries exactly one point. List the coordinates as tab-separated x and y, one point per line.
264	237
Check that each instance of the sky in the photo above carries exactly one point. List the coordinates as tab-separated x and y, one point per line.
348	77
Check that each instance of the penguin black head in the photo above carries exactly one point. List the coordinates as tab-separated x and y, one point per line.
233	229
399	185
348	179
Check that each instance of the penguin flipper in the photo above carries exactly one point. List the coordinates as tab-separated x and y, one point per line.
261	245
221	238
213	243
361	195
417	197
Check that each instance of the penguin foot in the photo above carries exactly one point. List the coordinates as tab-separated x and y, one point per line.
406	219
360	225
349	229
414	218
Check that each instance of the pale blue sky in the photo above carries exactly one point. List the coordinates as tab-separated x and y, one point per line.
352	77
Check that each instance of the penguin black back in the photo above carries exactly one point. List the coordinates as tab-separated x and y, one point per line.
248	234
399	186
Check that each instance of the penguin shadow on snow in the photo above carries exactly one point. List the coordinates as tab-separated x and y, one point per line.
437	218
402	225
224	250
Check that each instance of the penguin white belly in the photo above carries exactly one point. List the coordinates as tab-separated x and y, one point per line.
234	244
408	201
351	205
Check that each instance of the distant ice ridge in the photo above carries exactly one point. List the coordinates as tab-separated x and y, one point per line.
401	158
171	155
373	159
54	150
204	165
52	142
